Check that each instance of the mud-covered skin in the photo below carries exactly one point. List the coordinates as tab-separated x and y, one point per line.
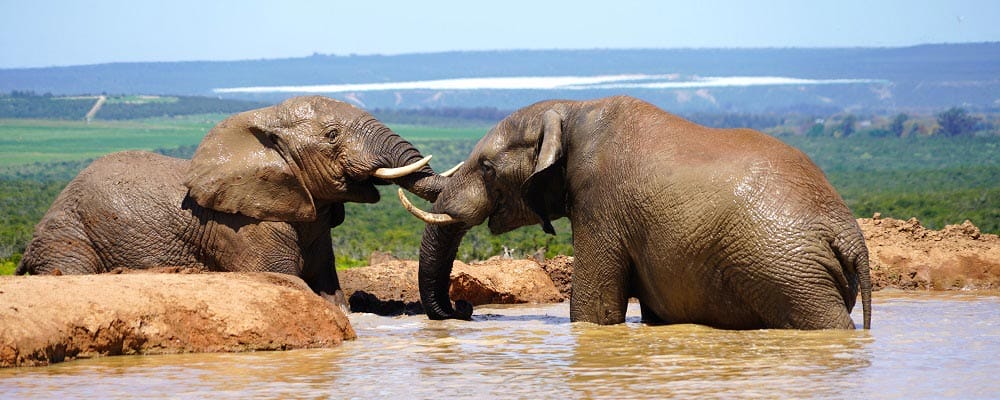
261	194
724	227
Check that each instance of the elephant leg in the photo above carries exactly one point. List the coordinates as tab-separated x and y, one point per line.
60	247
648	316
601	279
320	272
637	291
811	301
822	309
63	259
331	290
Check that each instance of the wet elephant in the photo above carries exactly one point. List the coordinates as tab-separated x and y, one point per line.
261	193
723	227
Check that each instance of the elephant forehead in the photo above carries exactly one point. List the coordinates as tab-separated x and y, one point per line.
497	143
324	107
489	145
289	114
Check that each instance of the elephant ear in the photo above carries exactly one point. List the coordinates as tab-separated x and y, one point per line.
544	192
239	168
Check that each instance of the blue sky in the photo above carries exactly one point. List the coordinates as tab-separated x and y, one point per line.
36	33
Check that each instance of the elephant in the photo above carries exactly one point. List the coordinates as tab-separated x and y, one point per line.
261	193
728	228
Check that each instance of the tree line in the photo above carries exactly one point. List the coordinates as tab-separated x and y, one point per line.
955	121
442	117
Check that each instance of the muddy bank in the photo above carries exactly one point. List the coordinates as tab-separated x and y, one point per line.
390	287
906	255
49	319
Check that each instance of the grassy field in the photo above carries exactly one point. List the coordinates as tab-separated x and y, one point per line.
30	141
416	133
939	180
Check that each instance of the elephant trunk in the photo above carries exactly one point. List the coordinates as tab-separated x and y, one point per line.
397	152
424	183
437	254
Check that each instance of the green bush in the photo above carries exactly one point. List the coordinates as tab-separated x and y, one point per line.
7	266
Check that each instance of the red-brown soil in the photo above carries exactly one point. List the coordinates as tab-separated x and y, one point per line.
390	287
48	319
905	255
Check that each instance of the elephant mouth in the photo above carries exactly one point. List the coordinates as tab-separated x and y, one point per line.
362	192
361	187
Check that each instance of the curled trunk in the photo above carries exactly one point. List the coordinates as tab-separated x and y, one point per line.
437	254
397	152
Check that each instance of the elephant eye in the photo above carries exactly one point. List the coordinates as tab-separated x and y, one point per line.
333	132
488	171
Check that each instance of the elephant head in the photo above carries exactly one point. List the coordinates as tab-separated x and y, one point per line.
514	177
282	163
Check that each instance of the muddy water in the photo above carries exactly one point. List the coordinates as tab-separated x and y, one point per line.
922	346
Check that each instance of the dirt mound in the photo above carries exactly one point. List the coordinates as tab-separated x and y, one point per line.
48	319
386	288
500	281
391	288
906	255
560	270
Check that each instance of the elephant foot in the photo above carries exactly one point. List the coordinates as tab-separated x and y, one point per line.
338	299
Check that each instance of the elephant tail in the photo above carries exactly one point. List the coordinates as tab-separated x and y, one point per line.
853	255
865	283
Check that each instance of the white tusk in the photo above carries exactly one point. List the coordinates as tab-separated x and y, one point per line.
393	173
452	170
430	218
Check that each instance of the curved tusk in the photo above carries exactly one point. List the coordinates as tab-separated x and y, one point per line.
393	173
452	170
430	218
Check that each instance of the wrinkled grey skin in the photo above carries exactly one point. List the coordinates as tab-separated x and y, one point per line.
722	227
260	194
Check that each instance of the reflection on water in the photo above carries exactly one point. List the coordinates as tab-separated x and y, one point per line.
922	345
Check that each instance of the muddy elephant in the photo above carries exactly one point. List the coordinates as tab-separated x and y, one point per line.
261	193
728	228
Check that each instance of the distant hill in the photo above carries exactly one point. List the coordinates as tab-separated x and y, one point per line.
919	77
19	104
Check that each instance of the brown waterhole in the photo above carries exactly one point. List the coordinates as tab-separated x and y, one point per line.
922	345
